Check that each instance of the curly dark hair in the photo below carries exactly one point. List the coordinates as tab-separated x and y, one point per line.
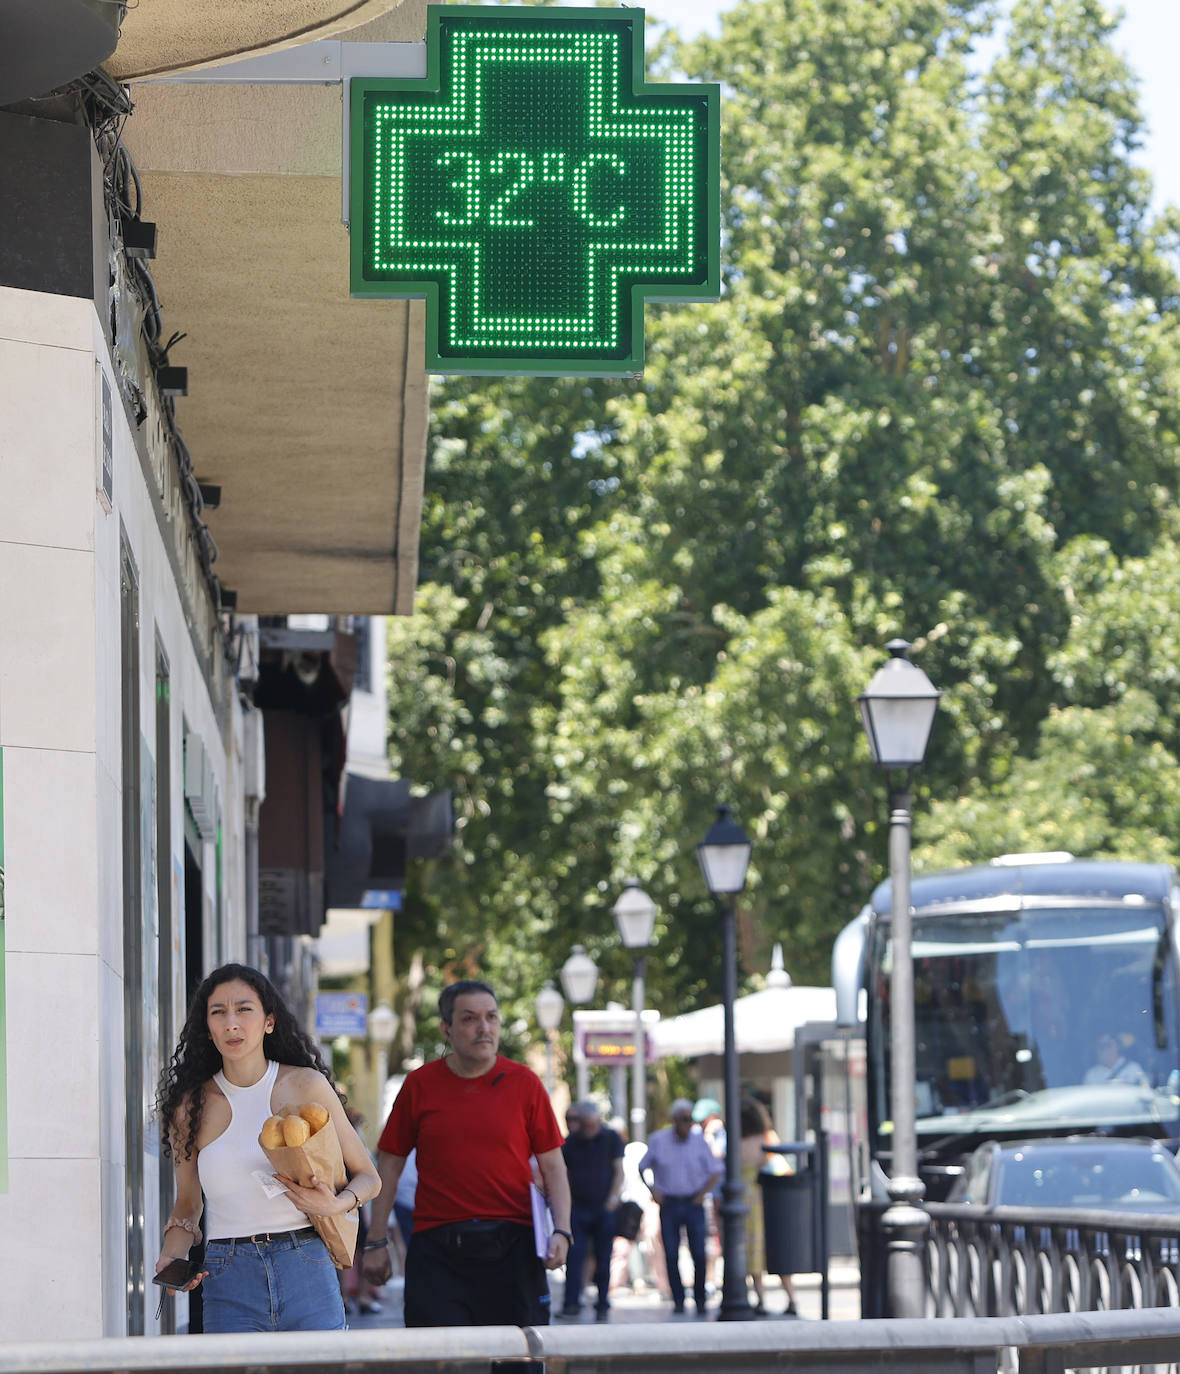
754	1117
195	1059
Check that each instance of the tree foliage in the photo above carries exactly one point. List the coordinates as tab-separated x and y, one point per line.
938	398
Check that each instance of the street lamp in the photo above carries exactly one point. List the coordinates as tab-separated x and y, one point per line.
383	1024
724	856
898	708
635	916
579	978
549	1004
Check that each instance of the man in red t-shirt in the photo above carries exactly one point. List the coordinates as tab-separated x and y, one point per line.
476	1119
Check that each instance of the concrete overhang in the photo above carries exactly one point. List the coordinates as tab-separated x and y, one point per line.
309	409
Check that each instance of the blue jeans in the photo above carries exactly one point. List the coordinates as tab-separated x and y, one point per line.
277	1285
677	1213
405	1220
592	1227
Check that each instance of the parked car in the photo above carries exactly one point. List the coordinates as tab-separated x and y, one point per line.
1104	1172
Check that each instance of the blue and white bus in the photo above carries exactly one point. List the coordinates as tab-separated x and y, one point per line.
1021	966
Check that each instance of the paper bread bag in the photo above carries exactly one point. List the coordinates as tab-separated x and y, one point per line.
320	1157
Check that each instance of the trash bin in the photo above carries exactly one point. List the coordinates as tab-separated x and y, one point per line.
788	1211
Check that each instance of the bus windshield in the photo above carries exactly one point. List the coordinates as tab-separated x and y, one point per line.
1034	1018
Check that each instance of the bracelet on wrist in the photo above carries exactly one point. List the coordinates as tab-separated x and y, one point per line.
557	1231
184	1224
375	1244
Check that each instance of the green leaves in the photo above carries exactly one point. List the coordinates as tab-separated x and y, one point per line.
937	399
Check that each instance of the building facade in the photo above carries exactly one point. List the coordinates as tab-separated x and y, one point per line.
154	549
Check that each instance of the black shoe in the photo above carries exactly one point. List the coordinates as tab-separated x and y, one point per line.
602	1314
570	1312
678	1310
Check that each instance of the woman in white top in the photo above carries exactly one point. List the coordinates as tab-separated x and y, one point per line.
241	1058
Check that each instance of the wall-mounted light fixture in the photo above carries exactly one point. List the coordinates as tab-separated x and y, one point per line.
172	381
139	237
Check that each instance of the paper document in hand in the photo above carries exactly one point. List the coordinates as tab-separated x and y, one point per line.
542	1221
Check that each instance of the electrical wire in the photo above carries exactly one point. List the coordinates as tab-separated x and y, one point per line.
106	106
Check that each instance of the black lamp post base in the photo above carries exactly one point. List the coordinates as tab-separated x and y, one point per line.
738	1312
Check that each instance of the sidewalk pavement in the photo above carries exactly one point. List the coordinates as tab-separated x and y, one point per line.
648	1306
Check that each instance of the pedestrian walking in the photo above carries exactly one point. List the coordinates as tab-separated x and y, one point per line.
476	1120
354	1287
241	1058
707	1115
403	1207
756	1132
683	1171
594	1163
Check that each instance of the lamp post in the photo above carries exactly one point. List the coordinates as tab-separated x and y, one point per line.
724	855
549	1004
635	916
898	708
579	978
383	1023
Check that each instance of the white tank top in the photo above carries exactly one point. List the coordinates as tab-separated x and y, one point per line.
235	1202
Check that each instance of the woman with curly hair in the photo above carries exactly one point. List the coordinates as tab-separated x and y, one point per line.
241	1058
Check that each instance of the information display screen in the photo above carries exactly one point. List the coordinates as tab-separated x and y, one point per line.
535	190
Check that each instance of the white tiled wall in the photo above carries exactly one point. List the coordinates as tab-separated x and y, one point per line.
51	892
52	1081
60	732
47	407
44	1301
47	630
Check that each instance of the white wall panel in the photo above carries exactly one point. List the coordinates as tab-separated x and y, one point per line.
47	406
61	734
47	632
50	828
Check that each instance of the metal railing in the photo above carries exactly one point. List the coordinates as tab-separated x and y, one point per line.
1034	1345
1019	1261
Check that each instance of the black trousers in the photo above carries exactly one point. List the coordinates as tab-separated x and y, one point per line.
475	1274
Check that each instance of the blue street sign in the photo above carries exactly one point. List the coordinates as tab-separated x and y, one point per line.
341	1013
381	899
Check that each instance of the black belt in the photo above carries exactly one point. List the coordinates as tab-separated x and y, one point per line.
266	1236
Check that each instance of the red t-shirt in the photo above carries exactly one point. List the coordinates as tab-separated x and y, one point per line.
474	1137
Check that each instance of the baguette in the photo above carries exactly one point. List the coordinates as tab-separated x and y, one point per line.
296	1131
272	1133
315	1116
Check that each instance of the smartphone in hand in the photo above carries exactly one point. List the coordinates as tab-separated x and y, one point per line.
177	1273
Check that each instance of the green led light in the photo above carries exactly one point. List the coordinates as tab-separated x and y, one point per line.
535	189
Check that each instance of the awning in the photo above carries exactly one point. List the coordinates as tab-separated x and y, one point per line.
764	1022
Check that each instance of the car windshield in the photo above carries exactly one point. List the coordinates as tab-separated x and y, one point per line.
1111	1176
1012	1005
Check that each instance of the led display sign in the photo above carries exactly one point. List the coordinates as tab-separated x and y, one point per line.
535	190
614	1047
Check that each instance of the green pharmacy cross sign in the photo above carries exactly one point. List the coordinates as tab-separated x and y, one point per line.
535	189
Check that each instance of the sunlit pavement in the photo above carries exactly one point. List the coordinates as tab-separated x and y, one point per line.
648	1306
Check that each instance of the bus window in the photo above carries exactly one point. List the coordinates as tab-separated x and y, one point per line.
1009	1003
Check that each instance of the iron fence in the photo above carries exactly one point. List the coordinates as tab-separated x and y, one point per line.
1017	1261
